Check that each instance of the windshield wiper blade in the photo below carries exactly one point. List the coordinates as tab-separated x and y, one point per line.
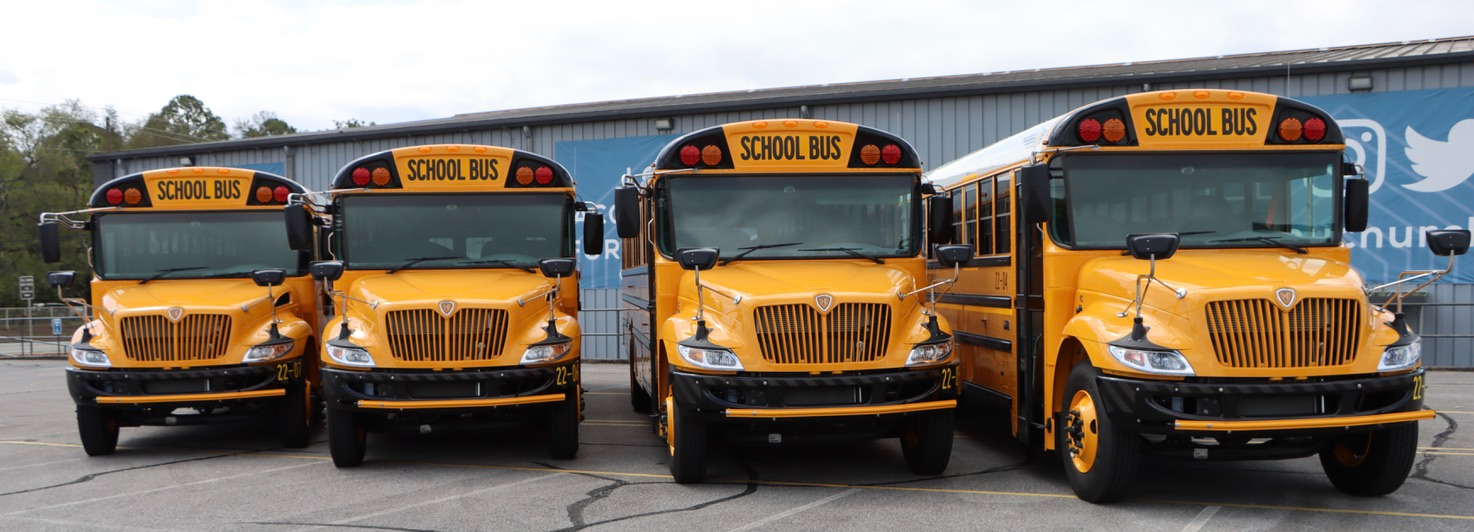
851	251
166	271
750	249
498	261
418	260
1271	240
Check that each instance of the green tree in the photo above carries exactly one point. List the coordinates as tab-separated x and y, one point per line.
184	120
351	123
263	124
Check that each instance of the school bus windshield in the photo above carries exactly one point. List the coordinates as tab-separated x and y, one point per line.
454	231
810	216
193	244
1212	200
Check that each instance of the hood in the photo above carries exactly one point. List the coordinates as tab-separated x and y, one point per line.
183	293
775	278
411	286
1207	274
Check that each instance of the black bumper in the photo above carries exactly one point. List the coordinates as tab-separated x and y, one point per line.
85	386
1155	407
345	389
713	395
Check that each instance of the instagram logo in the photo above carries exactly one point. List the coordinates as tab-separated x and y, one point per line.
1366	143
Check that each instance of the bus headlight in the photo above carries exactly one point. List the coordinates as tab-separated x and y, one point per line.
932	353
538	354
1402	356
710	357
92	358
268	351
350	355
1149	361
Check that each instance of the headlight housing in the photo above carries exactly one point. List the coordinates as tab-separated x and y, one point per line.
541	353
931	353
268	351
713	358
1152	361
92	358
350	355
1402	356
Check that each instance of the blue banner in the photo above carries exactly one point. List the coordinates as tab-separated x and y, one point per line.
1417	149
596	166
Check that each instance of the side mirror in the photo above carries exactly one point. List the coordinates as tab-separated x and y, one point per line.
299	228
328	270
698	258
50	243
593	233
939	219
271	277
627	211
1034	184
557	267
952	256
64	279
1358	196
1153	246
1448	242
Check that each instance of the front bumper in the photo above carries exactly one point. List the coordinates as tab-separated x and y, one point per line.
220	394
444	391
1263	408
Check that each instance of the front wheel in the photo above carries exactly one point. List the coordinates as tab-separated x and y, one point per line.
1371	464
926	441
347	438
99	430
1099	459
563	427
687	435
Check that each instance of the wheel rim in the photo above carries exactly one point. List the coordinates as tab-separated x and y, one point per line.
1082	431
1351	452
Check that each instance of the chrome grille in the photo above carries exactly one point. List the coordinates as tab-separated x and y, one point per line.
1257	333
800	334
424	335
194	337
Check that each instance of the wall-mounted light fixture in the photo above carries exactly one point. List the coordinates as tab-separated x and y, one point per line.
186	161
1359	83
664	124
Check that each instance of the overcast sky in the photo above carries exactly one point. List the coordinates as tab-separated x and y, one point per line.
314	62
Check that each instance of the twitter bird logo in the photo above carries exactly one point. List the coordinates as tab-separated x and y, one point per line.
1444	165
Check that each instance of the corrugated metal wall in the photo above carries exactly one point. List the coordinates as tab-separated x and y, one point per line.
942	129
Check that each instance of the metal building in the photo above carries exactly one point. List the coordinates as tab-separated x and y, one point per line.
944	117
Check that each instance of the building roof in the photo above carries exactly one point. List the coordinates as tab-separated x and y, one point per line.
1343	58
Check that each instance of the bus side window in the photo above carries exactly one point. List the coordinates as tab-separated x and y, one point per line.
985	217
1002	228
969	214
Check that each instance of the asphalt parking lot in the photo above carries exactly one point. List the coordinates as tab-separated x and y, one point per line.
236	478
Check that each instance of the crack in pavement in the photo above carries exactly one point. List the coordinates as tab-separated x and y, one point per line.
90	476
331	525
1420	470
575	510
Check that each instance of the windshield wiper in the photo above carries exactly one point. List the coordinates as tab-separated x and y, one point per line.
418	260
750	249
166	271
1271	240
498	261
851	251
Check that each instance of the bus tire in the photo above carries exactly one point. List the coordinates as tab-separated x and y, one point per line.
1371	464
688	444
1099	459
295	416
926	441
99	430
347	438
563	427
639	399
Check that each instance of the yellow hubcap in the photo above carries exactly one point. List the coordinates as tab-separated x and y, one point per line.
1082	431
1351	454
670	424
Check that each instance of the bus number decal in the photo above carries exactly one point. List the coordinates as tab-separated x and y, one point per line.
564	375
1201	122
790	148
949	378
1418	386
1000	280
286	372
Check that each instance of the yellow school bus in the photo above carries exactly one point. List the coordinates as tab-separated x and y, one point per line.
199	313
776	277
1165	274
442	319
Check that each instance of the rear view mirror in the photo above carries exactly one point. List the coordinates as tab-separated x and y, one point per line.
299	228
271	277
557	267
61	279
1034	185
939	219
1153	246
627	211
698	258
951	256
1448	242
50	243
1358	196
328	270
593	233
